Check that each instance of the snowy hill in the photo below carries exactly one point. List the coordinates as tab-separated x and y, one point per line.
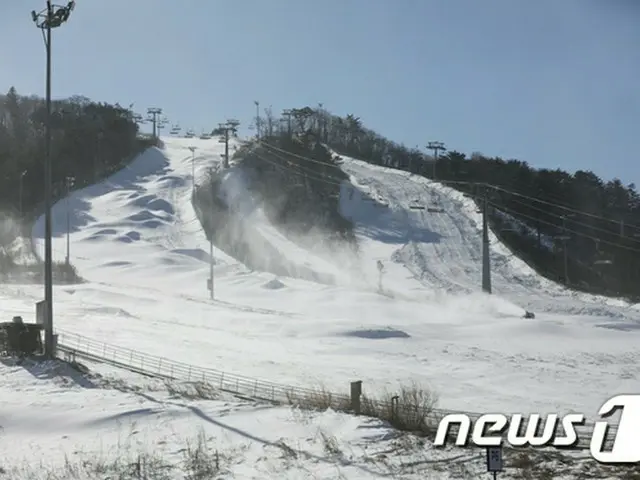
137	241
265	246
443	251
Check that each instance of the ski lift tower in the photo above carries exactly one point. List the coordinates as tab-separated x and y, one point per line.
152	116
436	147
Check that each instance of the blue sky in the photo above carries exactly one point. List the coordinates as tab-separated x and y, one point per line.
552	82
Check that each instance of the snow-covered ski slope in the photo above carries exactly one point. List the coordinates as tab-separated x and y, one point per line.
135	238
444	250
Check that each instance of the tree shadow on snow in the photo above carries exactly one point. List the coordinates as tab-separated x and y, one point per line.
283	446
287	450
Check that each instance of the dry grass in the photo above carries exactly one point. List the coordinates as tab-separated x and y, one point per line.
200	461
411	409
319	399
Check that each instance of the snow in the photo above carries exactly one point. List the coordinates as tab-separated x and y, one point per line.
137	241
89	423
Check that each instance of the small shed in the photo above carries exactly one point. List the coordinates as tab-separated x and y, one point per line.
19	338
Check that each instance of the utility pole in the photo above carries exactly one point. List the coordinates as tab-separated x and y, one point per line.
153	114
566	253
211	173
320	121
97	158
435	147
22	193
193	169
230	127
565	238
69	181
486	255
46	20
257	119
287	114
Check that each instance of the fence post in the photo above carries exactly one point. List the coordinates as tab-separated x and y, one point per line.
189	374
394	407
221	380
356	392
255	388
160	365
104	350
142	363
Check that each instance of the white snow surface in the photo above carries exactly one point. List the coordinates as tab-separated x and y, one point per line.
136	240
57	423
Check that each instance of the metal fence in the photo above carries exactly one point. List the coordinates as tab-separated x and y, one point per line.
413	413
161	367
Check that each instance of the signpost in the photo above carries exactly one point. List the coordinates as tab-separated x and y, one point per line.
380	272
494	461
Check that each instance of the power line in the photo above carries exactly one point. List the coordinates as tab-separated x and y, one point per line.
301	157
305	169
569	209
497	188
579	234
545	202
575	222
285	168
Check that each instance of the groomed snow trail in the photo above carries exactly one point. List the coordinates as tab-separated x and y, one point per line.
444	250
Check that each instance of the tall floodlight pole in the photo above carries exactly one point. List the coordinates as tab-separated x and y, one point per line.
69	183
51	17
435	147
193	169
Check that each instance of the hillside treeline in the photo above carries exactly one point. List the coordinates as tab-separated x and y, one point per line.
90	140
301	197
302	201
540	214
